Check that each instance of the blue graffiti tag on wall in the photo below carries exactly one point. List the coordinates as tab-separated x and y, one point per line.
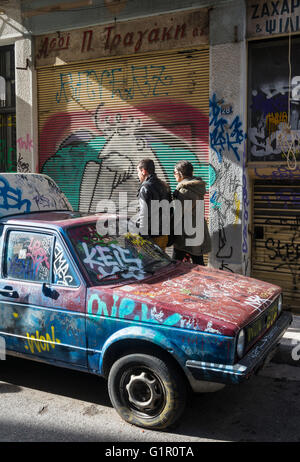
213	200
223	134
11	198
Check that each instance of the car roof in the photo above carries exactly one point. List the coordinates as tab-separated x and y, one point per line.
54	220
29	193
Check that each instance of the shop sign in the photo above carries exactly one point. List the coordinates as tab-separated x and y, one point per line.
273	17
157	33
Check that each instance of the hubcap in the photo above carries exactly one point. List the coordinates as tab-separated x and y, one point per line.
145	392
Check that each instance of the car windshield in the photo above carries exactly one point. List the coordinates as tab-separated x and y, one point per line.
109	258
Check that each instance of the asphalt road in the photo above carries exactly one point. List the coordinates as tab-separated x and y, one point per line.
41	403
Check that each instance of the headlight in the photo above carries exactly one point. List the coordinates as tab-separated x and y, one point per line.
240	344
279	307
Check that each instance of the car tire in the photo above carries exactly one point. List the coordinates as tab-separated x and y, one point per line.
147	391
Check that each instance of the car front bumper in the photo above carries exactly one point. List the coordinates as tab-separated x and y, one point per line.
256	358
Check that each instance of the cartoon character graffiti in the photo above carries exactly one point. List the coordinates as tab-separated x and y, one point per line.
93	154
115	171
99	161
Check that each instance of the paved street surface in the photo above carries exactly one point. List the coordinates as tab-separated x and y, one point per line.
44	403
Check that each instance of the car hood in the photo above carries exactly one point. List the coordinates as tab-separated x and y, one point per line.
204	298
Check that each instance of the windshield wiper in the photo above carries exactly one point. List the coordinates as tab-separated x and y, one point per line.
152	263
123	271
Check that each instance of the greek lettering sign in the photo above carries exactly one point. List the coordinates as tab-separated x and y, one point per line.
163	32
267	18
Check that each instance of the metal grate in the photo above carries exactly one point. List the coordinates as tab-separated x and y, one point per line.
276	240
98	119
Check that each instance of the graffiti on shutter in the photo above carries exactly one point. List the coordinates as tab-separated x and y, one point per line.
276	240
96	123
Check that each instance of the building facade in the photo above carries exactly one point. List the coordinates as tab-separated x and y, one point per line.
100	84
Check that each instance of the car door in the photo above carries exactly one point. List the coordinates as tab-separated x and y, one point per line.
42	299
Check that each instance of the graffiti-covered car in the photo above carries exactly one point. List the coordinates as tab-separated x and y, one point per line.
119	307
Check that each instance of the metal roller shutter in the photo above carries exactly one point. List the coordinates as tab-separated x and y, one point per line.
98	119
276	243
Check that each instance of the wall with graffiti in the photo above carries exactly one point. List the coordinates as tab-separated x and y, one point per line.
94	130
274	152
151	87
26	118
274	102
229	195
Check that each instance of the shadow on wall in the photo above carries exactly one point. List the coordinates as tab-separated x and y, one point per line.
225	243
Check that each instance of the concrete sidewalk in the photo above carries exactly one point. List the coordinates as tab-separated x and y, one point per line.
292	335
285	365
289	350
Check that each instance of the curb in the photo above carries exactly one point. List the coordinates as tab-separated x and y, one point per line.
292	335
290	340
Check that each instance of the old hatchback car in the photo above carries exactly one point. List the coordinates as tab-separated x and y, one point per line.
119	307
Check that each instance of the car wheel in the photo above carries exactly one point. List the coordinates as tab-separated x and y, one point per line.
147	391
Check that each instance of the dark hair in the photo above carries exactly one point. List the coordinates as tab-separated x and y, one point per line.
147	164
184	168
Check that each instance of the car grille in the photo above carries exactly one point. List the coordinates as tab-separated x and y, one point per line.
257	328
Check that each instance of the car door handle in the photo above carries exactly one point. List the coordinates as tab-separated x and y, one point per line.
9	292
48	292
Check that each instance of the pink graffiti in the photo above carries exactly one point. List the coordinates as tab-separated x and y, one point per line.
38	254
25	144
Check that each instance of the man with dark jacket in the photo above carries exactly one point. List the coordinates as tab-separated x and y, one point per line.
152	191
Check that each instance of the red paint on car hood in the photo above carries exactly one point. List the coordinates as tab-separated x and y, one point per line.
207	299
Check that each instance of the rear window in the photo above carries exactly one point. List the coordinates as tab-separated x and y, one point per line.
28	256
